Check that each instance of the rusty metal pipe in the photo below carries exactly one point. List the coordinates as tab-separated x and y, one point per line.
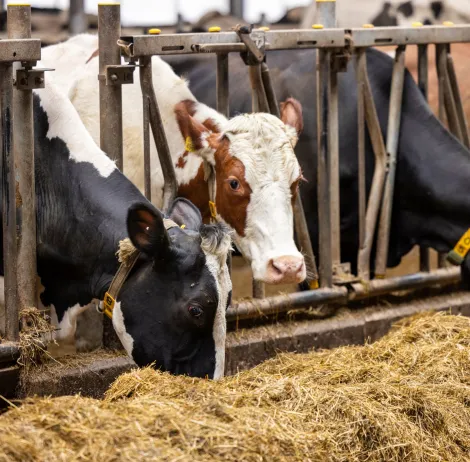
222	84
269	91
454	88
19	27
378	180
146	61
156	124
256	309
424	256
259	100
10	254
109	32
324	167
393	132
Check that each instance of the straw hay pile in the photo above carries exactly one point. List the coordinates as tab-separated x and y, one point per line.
403	398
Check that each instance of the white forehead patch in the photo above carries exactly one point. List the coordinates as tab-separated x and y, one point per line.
262	142
216	259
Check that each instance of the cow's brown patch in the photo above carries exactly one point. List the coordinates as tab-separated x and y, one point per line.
231	205
182	160
197	191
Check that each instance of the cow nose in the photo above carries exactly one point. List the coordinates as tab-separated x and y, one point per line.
286	270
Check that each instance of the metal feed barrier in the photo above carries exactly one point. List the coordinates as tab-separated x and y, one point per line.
18	54
334	49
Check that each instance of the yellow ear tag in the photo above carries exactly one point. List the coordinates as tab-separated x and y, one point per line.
189	146
183	226
313	284
213	209
108	304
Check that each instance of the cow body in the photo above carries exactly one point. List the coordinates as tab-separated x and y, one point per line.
431	204
171	309
256	173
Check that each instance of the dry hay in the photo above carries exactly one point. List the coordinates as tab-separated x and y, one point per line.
403	398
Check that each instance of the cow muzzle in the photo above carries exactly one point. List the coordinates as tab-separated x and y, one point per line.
286	269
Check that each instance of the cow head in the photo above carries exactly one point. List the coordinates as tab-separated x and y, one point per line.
171	310
256	181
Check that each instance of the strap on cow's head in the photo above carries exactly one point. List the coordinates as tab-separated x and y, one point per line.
457	255
128	256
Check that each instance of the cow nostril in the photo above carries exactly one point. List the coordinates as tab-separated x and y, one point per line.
278	268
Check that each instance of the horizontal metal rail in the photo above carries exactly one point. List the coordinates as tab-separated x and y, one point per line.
175	44
20	50
252	309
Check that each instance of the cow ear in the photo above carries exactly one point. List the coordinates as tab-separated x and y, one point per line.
291	115
185	213
190	128
146	229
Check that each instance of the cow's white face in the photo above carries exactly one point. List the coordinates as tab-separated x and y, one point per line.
257	177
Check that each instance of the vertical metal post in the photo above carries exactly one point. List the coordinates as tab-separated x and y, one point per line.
146	61
361	69
156	124
109	31
78	23
326	15
424	256
324	167
10	256
369	215
393	133
19	27
236	8
222	84
269	91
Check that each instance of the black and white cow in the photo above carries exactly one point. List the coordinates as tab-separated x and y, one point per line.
171	309
426	12
432	191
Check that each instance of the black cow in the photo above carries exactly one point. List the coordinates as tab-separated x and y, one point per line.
171	309
431	203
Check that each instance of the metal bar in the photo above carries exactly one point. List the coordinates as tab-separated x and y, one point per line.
333	132
424	255
462	119
440	59
255	309
169	44
146	140
9	352
385	36
326	13
111	134
156	124
393	132
252	309
449	101
259	100
109	31
324	167
222	85
361	74
378	180
304	242
236	8
19	26
20	50
269	91
10	255
78	22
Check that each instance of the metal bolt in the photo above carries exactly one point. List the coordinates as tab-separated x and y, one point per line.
114	78
24	81
39	80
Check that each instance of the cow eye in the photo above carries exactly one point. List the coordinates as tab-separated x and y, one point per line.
195	311
234	184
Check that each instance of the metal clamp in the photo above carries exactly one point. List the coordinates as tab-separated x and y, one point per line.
118	74
255	42
30	79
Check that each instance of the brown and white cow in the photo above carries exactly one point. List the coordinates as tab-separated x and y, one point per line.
256	171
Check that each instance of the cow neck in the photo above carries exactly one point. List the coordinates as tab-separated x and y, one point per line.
128	256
